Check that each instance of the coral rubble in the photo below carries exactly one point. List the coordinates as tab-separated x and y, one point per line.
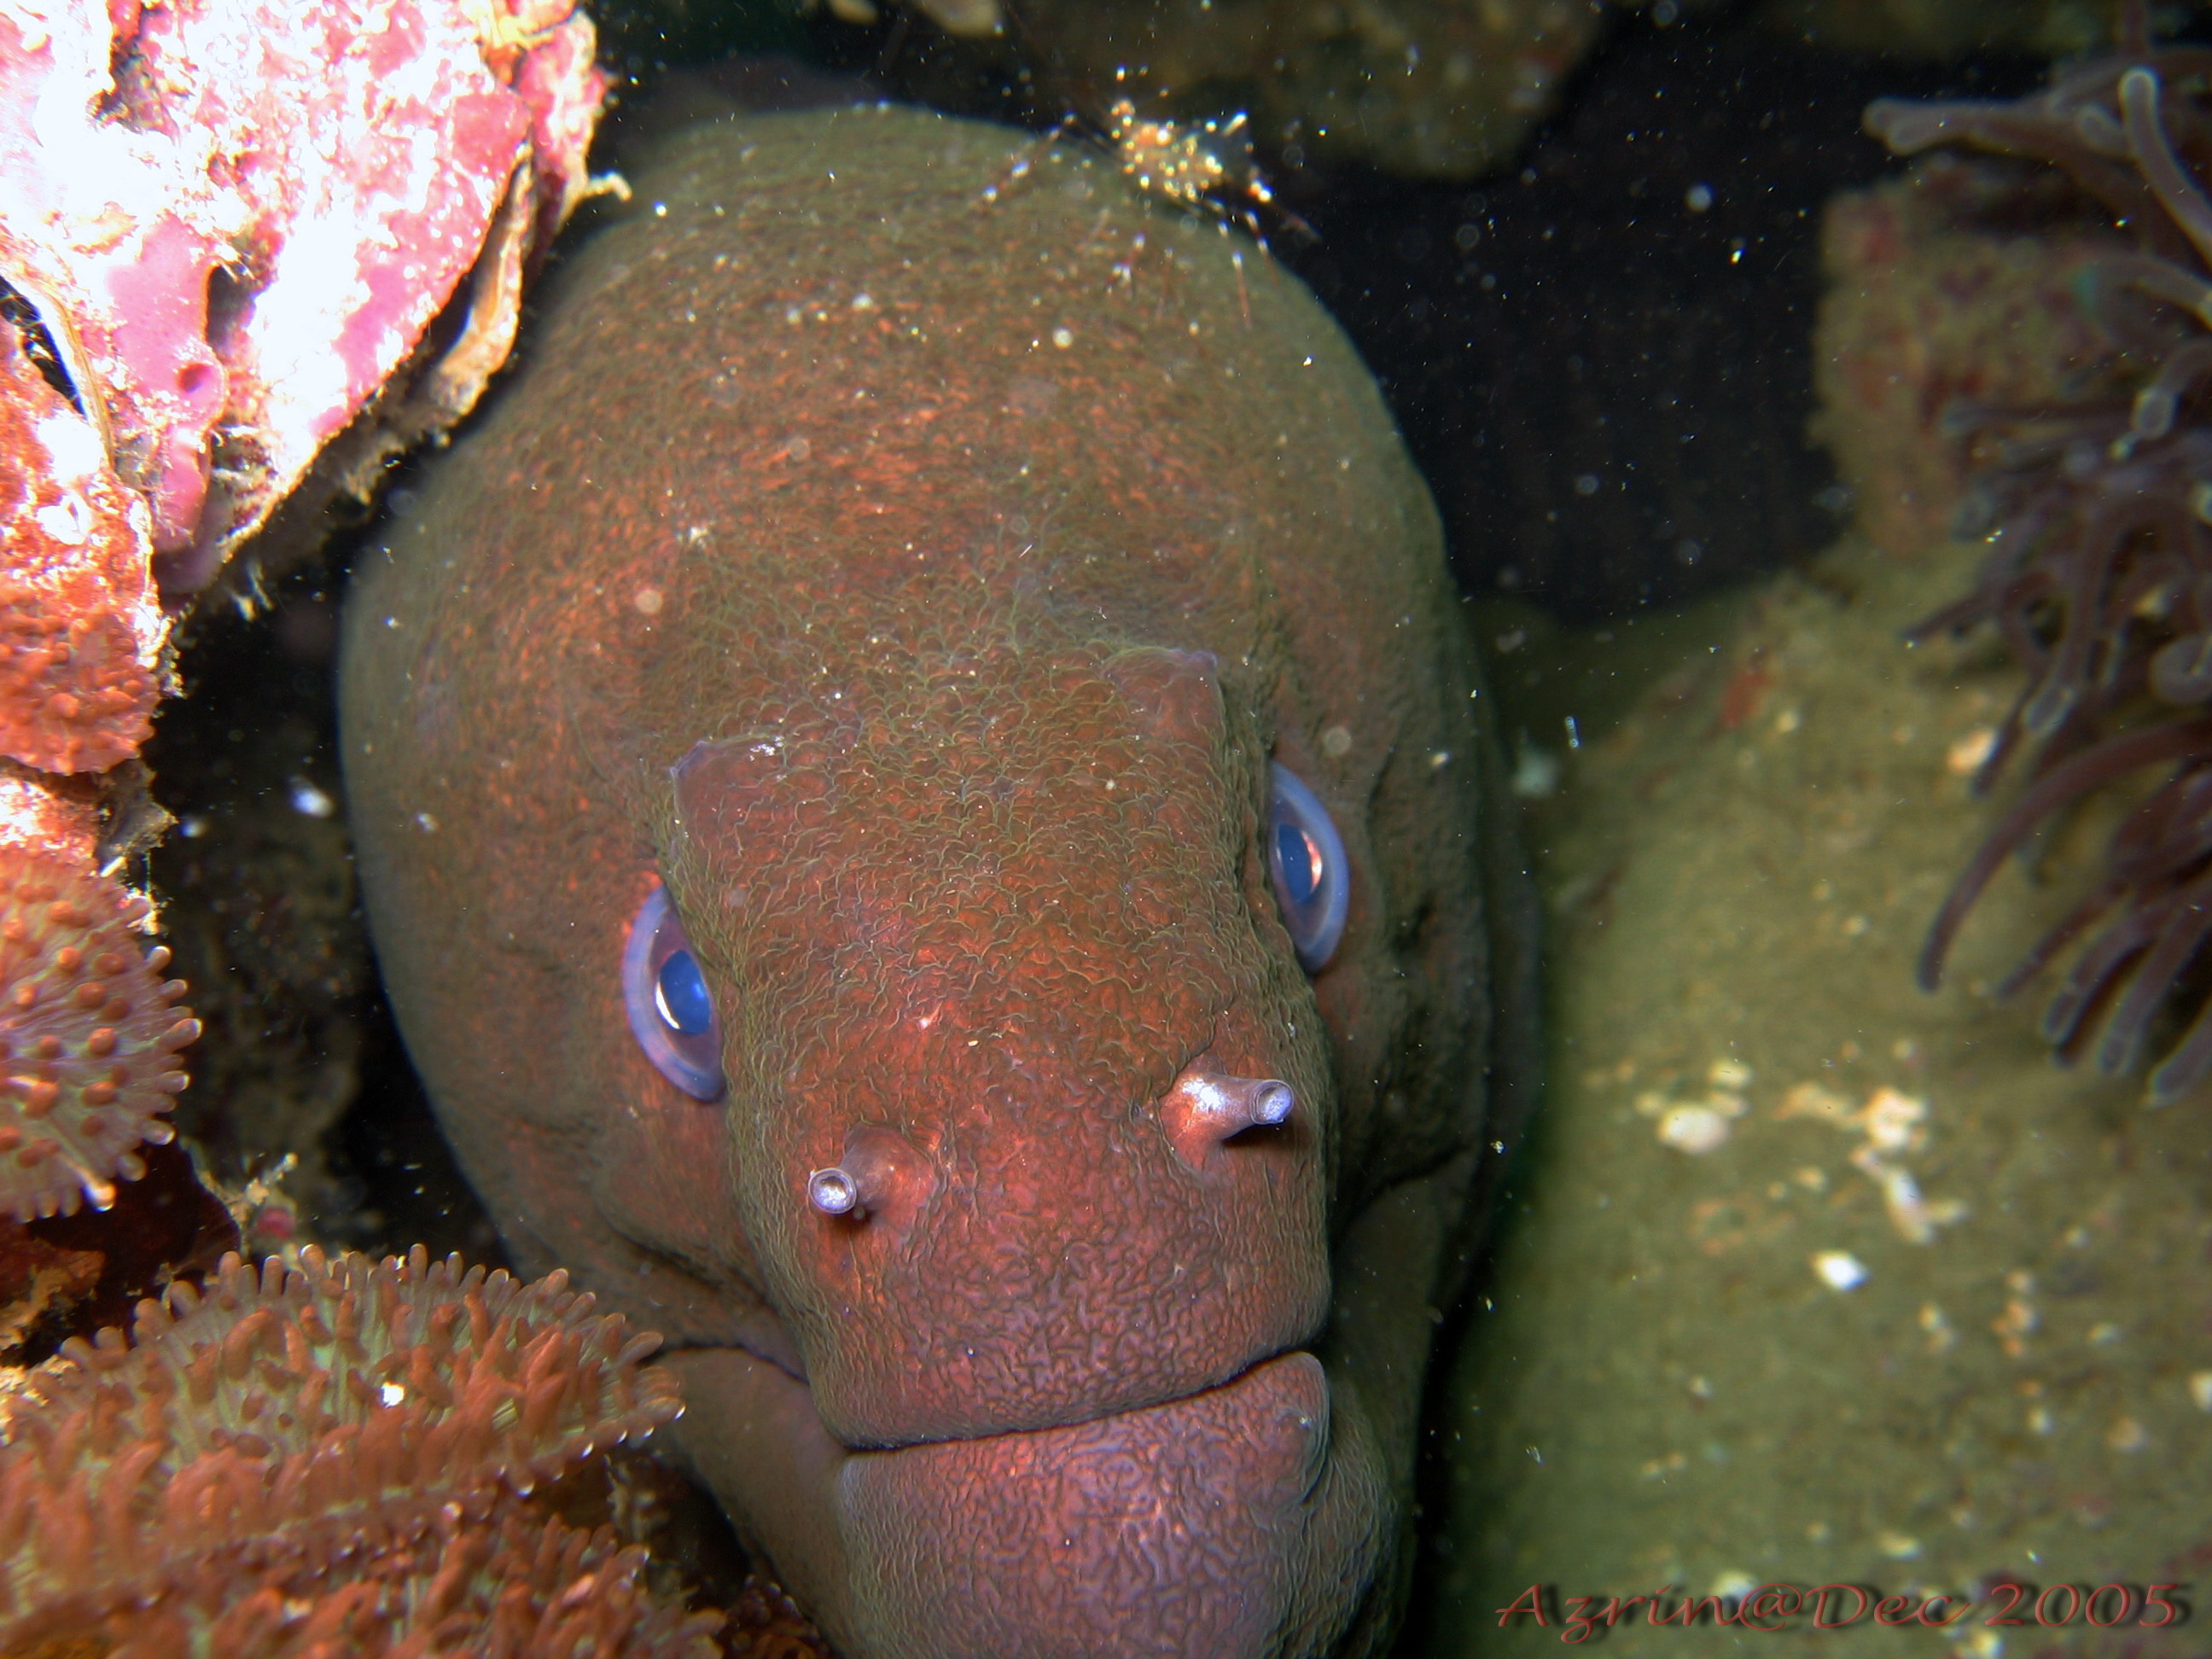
2097	506
40	1280
334	1457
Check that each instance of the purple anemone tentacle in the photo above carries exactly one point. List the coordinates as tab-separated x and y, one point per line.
2094	973
2060	787
2054	942
2189	1064
2141	96
2097	508
2181	925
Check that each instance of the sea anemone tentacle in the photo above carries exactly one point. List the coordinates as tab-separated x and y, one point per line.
2097	508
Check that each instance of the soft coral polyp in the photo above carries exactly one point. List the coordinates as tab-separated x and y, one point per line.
89	1038
79	635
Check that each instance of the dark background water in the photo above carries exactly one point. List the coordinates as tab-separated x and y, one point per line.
1606	387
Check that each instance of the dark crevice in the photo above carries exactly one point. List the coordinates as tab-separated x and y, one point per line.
38	344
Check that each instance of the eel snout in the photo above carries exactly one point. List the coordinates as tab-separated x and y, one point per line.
1030	1102
1054	1258
1177	1529
1219	1523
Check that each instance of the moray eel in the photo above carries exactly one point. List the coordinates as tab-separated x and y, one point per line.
925	803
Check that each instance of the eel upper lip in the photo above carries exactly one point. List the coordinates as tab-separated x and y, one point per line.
1226	1386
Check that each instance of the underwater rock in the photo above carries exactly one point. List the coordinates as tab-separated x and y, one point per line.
260	905
929	820
953	17
1939	292
1422	88
1426	89
2047	29
1919	1310
234	220
331	1458
1930	1313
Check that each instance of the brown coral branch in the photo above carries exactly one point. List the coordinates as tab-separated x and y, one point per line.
341	1411
510	1583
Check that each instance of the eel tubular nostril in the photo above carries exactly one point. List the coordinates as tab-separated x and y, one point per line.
882	1174
834	1191
1205	1108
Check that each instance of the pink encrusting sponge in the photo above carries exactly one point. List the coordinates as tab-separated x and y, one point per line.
89	1036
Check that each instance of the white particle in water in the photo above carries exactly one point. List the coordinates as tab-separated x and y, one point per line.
310	802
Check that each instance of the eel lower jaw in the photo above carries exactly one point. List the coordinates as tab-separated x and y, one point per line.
1227	1523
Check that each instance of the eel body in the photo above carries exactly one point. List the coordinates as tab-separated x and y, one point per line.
918	557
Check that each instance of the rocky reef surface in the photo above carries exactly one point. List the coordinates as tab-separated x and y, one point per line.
1817	1276
247	253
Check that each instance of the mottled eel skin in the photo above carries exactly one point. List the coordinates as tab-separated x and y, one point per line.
919	578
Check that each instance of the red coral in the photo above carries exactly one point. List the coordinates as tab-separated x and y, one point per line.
240	216
79	636
330	1459
70	686
59	818
89	1033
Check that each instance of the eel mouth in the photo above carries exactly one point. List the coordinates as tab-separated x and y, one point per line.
1201	1525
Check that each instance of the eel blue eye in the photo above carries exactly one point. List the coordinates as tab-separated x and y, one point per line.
671	1014
1298	859
1306	861
680	997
